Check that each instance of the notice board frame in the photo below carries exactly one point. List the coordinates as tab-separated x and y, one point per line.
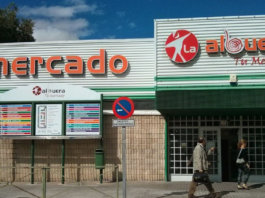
63	136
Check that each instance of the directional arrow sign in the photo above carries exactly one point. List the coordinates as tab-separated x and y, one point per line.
123	107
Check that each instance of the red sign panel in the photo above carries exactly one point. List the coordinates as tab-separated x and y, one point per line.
182	46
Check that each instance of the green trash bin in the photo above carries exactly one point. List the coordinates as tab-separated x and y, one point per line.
99	159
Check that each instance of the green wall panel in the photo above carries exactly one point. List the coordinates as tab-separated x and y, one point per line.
211	102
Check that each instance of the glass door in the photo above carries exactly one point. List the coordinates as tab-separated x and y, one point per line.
213	139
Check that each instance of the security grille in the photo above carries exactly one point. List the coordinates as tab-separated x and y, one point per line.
183	136
211	136
183	132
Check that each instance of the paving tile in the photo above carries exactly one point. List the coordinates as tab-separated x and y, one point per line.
136	189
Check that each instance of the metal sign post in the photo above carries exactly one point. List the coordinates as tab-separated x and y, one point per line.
124	161
123	108
123	124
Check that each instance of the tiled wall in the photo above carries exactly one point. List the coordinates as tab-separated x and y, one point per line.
145	154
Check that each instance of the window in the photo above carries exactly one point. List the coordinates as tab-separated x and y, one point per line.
211	138
183	137
256	151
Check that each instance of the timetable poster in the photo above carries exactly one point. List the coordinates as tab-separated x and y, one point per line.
83	119
48	119
15	119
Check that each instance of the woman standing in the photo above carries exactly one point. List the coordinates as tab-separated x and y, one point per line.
243	167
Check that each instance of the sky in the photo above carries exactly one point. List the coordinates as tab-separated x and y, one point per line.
57	20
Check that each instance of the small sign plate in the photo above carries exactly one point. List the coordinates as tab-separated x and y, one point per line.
123	123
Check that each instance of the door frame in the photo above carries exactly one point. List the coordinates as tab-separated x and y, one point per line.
217	177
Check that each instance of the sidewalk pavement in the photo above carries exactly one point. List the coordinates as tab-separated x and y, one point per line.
135	189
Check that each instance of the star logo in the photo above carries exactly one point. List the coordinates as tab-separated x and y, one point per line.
36	90
182	46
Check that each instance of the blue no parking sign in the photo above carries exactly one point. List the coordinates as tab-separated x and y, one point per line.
123	107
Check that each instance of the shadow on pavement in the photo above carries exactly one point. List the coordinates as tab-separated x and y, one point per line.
222	193
256	186
226	192
174	193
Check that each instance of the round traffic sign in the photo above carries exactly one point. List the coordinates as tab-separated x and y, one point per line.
123	107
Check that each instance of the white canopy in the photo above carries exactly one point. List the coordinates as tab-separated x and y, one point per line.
49	92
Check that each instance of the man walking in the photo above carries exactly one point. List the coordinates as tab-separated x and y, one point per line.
200	164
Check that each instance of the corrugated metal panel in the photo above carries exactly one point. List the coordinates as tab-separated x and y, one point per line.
139	53
209	64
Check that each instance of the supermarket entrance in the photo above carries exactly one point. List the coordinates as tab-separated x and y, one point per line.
229	140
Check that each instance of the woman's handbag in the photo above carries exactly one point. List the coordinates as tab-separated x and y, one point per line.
201	177
240	161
